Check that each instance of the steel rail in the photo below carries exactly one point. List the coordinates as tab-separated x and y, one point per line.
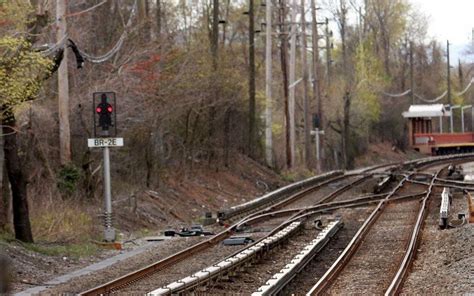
229	263
441	185
399	277
146	271
137	275
281	279
327	279
455	181
353	245
279	200
350	203
286	192
265	214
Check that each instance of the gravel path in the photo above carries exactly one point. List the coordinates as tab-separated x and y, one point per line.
444	263
160	251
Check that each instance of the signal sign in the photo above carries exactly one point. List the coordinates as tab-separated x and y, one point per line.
105	115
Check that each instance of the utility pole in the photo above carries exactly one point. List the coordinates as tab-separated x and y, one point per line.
412	74
449	74
268	85
307	121
284	70
252	130
316	80
328	54
63	88
291	101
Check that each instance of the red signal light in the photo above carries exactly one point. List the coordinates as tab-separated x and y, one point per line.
110	109
98	110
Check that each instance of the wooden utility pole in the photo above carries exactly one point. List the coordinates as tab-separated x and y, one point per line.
284	70
215	59
307	115
268	85
412	74
328	55
316	80
63	88
252	127
291	99
448	73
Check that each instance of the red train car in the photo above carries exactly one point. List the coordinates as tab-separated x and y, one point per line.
426	133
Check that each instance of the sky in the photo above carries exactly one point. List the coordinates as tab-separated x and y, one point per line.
450	19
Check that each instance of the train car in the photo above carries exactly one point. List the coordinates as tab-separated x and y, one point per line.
432	131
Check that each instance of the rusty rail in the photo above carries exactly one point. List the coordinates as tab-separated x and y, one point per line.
399	277
353	245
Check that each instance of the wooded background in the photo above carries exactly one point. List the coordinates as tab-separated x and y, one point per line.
191	85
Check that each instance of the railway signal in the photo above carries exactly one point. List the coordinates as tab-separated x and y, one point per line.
105	130
105	115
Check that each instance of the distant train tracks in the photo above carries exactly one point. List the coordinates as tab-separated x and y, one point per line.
268	208
377	258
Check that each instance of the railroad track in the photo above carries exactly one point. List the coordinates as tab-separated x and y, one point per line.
193	251
377	258
163	265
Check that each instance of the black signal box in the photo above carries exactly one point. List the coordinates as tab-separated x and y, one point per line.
104	110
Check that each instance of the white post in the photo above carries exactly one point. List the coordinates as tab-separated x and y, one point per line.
462	116
452	114
451	121
109	231
441	124
268	85
317	134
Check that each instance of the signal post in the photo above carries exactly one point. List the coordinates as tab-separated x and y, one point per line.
105	132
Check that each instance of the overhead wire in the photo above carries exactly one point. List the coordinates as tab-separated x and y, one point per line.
466	89
433	100
397	95
53	48
116	47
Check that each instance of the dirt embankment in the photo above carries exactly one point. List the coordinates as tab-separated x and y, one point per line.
64	229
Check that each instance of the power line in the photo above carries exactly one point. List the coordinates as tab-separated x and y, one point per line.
117	46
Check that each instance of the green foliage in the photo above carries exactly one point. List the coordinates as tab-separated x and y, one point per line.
20	69
370	77
71	250
68	179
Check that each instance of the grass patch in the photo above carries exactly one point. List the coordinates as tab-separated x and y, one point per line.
63	222
72	250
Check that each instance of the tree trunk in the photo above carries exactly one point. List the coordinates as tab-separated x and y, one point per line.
7	219
63	89
4	200
346	131
227	118
21	219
